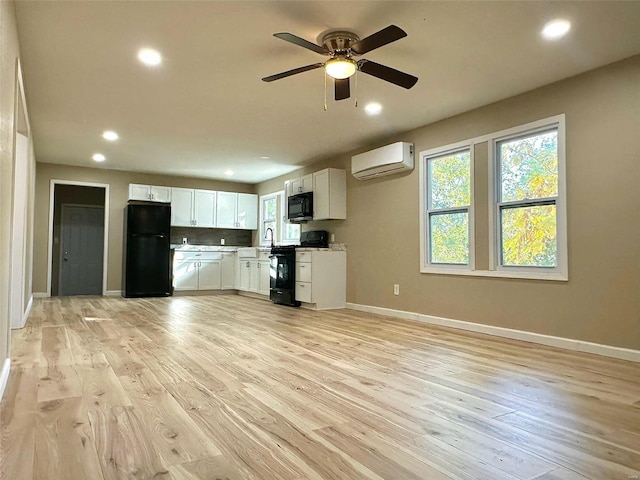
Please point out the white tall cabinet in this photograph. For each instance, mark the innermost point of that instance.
(330, 194)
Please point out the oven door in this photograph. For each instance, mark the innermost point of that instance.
(282, 270)
(282, 278)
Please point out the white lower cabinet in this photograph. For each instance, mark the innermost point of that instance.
(253, 271)
(203, 270)
(321, 279)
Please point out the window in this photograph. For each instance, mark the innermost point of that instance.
(272, 215)
(518, 229)
(448, 204)
(529, 227)
(269, 206)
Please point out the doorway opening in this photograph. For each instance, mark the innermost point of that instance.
(78, 253)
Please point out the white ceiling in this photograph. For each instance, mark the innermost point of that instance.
(205, 109)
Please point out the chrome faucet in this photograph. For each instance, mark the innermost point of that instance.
(265, 235)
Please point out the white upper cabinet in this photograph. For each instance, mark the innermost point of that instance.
(237, 210)
(226, 210)
(193, 208)
(247, 211)
(182, 207)
(299, 185)
(204, 208)
(149, 193)
(330, 194)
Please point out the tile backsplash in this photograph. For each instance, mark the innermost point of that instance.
(211, 236)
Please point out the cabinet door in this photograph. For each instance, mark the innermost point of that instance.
(139, 192)
(185, 275)
(245, 275)
(321, 195)
(265, 278)
(306, 183)
(209, 275)
(247, 211)
(204, 210)
(254, 276)
(181, 207)
(161, 194)
(288, 188)
(226, 209)
(228, 271)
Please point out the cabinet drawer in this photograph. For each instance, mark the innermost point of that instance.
(303, 292)
(303, 272)
(303, 256)
(178, 256)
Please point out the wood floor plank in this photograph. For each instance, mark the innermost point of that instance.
(123, 446)
(18, 413)
(64, 446)
(232, 387)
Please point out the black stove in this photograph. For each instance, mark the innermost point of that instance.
(282, 266)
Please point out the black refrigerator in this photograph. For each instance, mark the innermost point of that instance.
(146, 269)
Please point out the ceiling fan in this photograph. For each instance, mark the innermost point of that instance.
(341, 47)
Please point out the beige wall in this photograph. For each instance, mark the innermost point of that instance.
(601, 301)
(118, 182)
(11, 119)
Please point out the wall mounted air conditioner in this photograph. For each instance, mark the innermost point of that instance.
(387, 160)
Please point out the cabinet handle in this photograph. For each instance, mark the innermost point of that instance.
(301, 286)
(247, 264)
(195, 222)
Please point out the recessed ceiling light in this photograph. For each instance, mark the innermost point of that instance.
(229, 173)
(98, 157)
(150, 57)
(110, 135)
(373, 108)
(556, 29)
(265, 157)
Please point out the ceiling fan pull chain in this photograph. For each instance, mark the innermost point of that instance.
(355, 91)
(325, 91)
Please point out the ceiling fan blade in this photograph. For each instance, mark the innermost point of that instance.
(288, 73)
(387, 74)
(288, 37)
(378, 39)
(342, 88)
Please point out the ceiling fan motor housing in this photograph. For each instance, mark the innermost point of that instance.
(339, 42)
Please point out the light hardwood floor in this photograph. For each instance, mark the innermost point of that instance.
(230, 387)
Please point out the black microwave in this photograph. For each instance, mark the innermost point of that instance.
(300, 207)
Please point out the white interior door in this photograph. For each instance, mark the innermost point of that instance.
(81, 250)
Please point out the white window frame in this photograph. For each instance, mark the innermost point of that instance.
(560, 271)
(280, 220)
(264, 198)
(425, 210)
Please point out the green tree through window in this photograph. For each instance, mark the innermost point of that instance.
(528, 169)
(449, 190)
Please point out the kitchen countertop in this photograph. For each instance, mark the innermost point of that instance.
(204, 248)
(229, 248)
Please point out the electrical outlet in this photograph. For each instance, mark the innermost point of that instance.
(396, 289)
(184, 240)
(333, 237)
(222, 241)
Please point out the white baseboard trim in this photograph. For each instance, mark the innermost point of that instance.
(40, 295)
(113, 293)
(560, 342)
(4, 375)
(27, 311)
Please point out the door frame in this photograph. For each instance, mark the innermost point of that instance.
(105, 249)
(62, 207)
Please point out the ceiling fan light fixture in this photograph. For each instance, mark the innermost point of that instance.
(340, 67)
